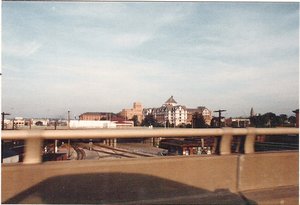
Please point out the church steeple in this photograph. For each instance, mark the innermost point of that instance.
(252, 112)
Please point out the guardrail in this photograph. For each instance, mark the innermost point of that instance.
(34, 138)
(237, 173)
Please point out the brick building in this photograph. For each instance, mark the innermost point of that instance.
(206, 113)
(96, 116)
(136, 110)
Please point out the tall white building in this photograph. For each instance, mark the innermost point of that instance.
(168, 113)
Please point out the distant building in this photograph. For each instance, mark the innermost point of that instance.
(12, 151)
(238, 122)
(187, 146)
(124, 124)
(205, 112)
(9, 156)
(19, 122)
(136, 110)
(8, 124)
(40, 122)
(100, 120)
(172, 113)
(94, 124)
(215, 122)
(168, 113)
(96, 116)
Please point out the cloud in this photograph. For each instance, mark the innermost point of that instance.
(21, 49)
(130, 40)
(100, 56)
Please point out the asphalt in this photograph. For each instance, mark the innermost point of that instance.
(121, 188)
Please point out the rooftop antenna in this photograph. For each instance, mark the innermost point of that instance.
(220, 117)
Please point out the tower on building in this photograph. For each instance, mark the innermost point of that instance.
(252, 112)
(171, 101)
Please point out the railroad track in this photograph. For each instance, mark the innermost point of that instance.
(80, 152)
(110, 151)
(124, 151)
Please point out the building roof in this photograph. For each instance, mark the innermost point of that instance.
(8, 153)
(199, 109)
(96, 113)
(171, 100)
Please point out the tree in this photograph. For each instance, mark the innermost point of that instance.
(283, 119)
(168, 124)
(198, 120)
(261, 120)
(292, 119)
(188, 126)
(255, 121)
(268, 119)
(135, 120)
(149, 120)
(182, 125)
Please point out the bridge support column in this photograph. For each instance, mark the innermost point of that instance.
(225, 145)
(55, 146)
(249, 142)
(152, 140)
(114, 143)
(33, 151)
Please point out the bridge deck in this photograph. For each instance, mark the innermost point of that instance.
(248, 178)
(117, 188)
(157, 180)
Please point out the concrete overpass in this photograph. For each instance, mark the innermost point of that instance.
(244, 178)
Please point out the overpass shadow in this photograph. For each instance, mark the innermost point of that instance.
(121, 188)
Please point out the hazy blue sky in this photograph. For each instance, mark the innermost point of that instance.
(104, 56)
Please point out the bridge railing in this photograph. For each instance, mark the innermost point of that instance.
(36, 182)
(34, 138)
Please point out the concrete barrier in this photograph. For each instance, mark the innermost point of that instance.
(234, 173)
(268, 170)
(209, 173)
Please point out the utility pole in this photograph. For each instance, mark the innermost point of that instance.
(217, 140)
(69, 141)
(3, 115)
(68, 119)
(220, 117)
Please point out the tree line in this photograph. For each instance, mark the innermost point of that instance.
(272, 120)
(268, 119)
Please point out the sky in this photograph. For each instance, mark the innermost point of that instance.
(102, 57)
